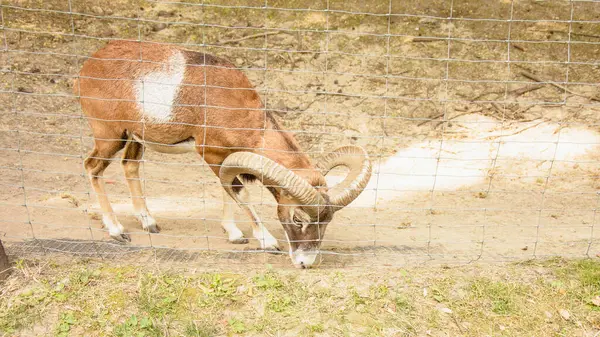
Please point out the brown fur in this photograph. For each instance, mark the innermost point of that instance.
(107, 99)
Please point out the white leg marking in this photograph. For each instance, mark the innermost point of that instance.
(228, 220)
(157, 91)
(234, 233)
(259, 231)
(146, 219)
(114, 226)
(267, 241)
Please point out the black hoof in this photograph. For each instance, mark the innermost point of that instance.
(272, 250)
(240, 241)
(153, 229)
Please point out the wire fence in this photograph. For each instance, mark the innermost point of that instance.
(481, 120)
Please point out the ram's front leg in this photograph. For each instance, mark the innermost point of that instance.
(228, 220)
(259, 231)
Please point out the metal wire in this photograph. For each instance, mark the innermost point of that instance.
(484, 144)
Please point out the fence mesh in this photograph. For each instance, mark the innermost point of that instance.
(481, 120)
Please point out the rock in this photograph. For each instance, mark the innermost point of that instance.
(564, 314)
(25, 90)
(108, 32)
(239, 61)
(166, 13)
(280, 106)
(159, 26)
(97, 10)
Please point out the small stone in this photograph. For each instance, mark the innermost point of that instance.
(166, 13)
(239, 61)
(97, 10)
(596, 301)
(108, 32)
(280, 106)
(25, 90)
(564, 314)
(159, 26)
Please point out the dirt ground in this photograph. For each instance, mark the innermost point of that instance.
(473, 158)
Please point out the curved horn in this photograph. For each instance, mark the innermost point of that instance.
(354, 158)
(273, 174)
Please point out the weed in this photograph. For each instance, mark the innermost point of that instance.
(135, 326)
(159, 294)
(267, 281)
(402, 303)
(499, 297)
(201, 329)
(237, 326)
(316, 328)
(279, 302)
(65, 323)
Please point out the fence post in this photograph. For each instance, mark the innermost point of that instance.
(4, 265)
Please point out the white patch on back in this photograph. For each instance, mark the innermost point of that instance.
(157, 91)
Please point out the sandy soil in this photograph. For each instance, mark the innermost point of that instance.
(456, 177)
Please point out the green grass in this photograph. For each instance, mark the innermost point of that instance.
(91, 298)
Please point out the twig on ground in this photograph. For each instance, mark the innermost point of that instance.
(516, 92)
(487, 93)
(428, 39)
(465, 113)
(431, 119)
(576, 34)
(526, 89)
(530, 120)
(538, 79)
(361, 101)
(518, 47)
(249, 37)
(517, 132)
(457, 323)
(498, 108)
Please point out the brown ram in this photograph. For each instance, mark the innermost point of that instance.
(173, 100)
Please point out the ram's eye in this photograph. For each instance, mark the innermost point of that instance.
(297, 222)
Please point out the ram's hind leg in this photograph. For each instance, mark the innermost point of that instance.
(95, 164)
(131, 166)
